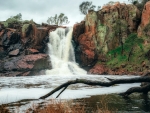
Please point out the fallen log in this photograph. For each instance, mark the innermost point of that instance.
(106, 84)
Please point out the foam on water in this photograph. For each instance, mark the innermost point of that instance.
(17, 88)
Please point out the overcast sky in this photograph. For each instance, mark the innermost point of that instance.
(40, 10)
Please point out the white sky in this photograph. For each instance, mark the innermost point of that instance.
(40, 10)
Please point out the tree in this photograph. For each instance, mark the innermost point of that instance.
(110, 3)
(85, 6)
(13, 20)
(139, 3)
(60, 19)
(18, 17)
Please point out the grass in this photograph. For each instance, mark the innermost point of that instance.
(136, 59)
(58, 106)
(3, 109)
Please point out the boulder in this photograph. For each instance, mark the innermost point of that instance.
(27, 62)
(14, 52)
(31, 51)
(23, 64)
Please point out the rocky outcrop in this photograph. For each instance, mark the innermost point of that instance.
(144, 28)
(98, 69)
(31, 51)
(23, 48)
(78, 29)
(11, 40)
(104, 30)
(24, 65)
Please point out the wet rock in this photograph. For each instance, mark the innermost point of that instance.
(10, 74)
(27, 63)
(11, 41)
(35, 37)
(31, 51)
(98, 69)
(78, 29)
(14, 52)
(88, 48)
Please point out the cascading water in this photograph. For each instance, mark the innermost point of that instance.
(61, 52)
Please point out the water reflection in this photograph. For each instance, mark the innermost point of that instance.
(136, 103)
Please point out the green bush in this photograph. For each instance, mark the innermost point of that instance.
(132, 43)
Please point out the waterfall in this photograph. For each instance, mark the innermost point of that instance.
(61, 52)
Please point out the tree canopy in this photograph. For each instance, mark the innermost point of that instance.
(60, 19)
(18, 17)
(139, 3)
(85, 6)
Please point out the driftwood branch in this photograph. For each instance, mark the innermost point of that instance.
(106, 84)
(143, 89)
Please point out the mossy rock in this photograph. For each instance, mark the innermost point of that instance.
(91, 18)
(10, 21)
(26, 28)
(5, 24)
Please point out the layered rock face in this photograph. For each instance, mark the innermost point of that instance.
(25, 65)
(22, 49)
(144, 28)
(104, 30)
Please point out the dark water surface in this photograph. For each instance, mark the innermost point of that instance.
(135, 103)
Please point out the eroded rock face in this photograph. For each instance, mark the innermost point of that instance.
(11, 40)
(78, 29)
(115, 23)
(84, 36)
(105, 30)
(144, 28)
(22, 49)
(34, 37)
(24, 65)
(31, 51)
(98, 69)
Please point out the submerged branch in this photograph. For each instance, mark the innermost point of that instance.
(99, 83)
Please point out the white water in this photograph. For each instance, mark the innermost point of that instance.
(62, 55)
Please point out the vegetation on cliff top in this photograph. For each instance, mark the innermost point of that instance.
(139, 3)
(85, 6)
(17, 19)
(60, 19)
(13, 20)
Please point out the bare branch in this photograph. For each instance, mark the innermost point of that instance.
(98, 83)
